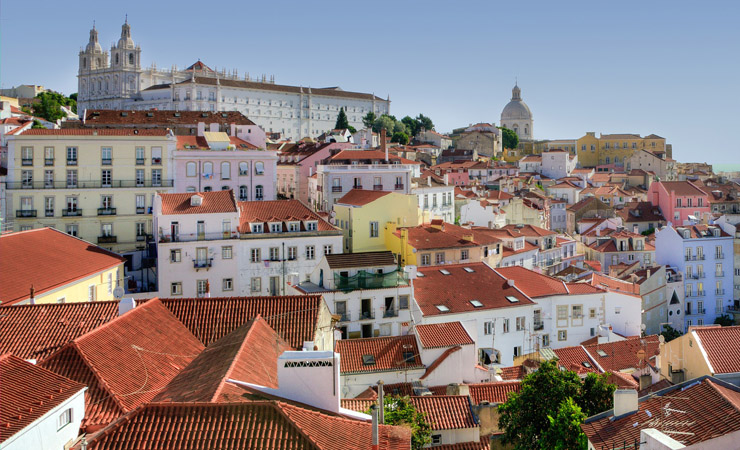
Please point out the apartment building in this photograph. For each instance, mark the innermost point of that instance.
(679, 201)
(96, 184)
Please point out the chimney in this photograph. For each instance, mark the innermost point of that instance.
(383, 146)
(307, 370)
(636, 229)
(598, 231)
(457, 389)
(511, 283)
(126, 305)
(468, 237)
(201, 128)
(32, 299)
(381, 402)
(374, 414)
(447, 179)
(625, 402)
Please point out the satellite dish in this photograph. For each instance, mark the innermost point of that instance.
(118, 292)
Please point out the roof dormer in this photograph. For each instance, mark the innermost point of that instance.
(196, 200)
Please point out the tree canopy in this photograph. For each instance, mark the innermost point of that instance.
(342, 121)
(369, 120)
(400, 137)
(414, 126)
(669, 333)
(564, 431)
(400, 411)
(407, 126)
(526, 416)
(509, 138)
(49, 106)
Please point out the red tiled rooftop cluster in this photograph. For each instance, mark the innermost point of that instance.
(387, 353)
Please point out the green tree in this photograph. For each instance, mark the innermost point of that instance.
(564, 431)
(37, 124)
(400, 411)
(510, 139)
(724, 320)
(342, 121)
(669, 333)
(524, 417)
(49, 106)
(399, 127)
(384, 123)
(412, 126)
(401, 138)
(424, 122)
(369, 120)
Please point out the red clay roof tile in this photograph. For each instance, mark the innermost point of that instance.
(446, 412)
(211, 203)
(449, 334)
(536, 285)
(148, 132)
(360, 197)
(493, 392)
(387, 353)
(94, 117)
(278, 210)
(621, 355)
(721, 345)
(23, 251)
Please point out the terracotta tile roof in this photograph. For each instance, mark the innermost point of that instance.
(640, 212)
(622, 355)
(37, 331)
(612, 284)
(294, 318)
(189, 143)
(358, 404)
(575, 359)
(94, 117)
(498, 195)
(483, 444)
(588, 202)
(278, 211)
(456, 290)
(700, 231)
(424, 237)
(446, 412)
(387, 352)
(362, 259)
(212, 203)
(513, 373)
(493, 392)
(691, 412)
(447, 334)
(528, 230)
(133, 132)
(622, 380)
(721, 345)
(535, 284)
(662, 384)
(24, 250)
(684, 188)
(258, 425)
(360, 197)
(27, 392)
(247, 354)
(127, 361)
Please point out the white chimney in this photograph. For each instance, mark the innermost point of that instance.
(126, 305)
(201, 128)
(301, 380)
(625, 402)
(511, 283)
(636, 229)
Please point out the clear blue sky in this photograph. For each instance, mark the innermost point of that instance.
(664, 67)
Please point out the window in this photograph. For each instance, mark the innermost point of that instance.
(140, 204)
(577, 311)
(225, 170)
(226, 252)
(373, 229)
(64, 419)
(48, 156)
(207, 169)
(106, 156)
(201, 287)
(328, 249)
(311, 226)
(27, 156)
(592, 313)
(545, 340)
(506, 325)
(403, 302)
(436, 439)
(176, 288)
(256, 255)
(243, 168)
(243, 193)
(106, 229)
(71, 204)
(259, 168)
(106, 178)
(91, 293)
(464, 254)
(439, 258)
(72, 230)
(426, 259)
(517, 350)
(49, 179)
(156, 155)
(310, 252)
(488, 328)
(190, 169)
(562, 312)
(106, 201)
(140, 156)
(71, 156)
(175, 255)
(256, 284)
(139, 177)
(228, 284)
(156, 177)
(562, 335)
(292, 253)
(49, 206)
(274, 253)
(27, 178)
(519, 323)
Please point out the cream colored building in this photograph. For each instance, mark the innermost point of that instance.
(97, 184)
(617, 149)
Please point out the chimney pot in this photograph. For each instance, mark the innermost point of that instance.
(625, 402)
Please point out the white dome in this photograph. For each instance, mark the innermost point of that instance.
(516, 110)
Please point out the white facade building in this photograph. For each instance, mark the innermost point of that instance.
(558, 164)
(293, 111)
(435, 199)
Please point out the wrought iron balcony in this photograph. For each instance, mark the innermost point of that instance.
(539, 326)
(25, 213)
(377, 187)
(71, 162)
(399, 186)
(357, 186)
(156, 160)
(719, 292)
(48, 161)
(107, 239)
(140, 161)
(49, 213)
(87, 184)
(26, 162)
(71, 212)
(106, 162)
(106, 211)
(336, 188)
(141, 210)
(367, 315)
(390, 312)
(203, 263)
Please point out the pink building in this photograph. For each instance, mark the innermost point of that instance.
(298, 162)
(216, 161)
(457, 172)
(678, 200)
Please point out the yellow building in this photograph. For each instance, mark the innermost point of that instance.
(703, 350)
(48, 266)
(616, 148)
(364, 217)
(97, 184)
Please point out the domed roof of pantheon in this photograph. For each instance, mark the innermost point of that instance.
(516, 108)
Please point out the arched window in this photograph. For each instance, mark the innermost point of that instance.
(117, 60)
(516, 129)
(243, 193)
(207, 169)
(225, 170)
(526, 131)
(243, 168)
(190, 189)
(190, 169)
(131, 59)
(100, 84)
(259, 168)
(258, 192)
(207, 189)
(616, 160)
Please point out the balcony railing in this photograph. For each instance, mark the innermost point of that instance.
(26, 162)
(693, 257)
(49, 213)
(189, 237)
(399, 186)
(71, 212)
(377, 187)
(71, 162)
(366, 315)
(48, 161)
(719, 256)
(156, 160)
(141, 210)
(357, 186)
(336, 188)
(538, 326)
(25, 213)
(202, 263)
(719, 292)
(140, 161)
(696, 276)
(141, 237)
(106, 162)
(106, 211)
(91, 184)
(390, 312)
(107, 239)
(719, 274)
(369, 280)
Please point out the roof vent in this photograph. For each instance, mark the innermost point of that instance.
(205, 114)
(511, 283)
(444, 271)
(468, 269)
(177, 114)
(512, 299)
(124, 114)
(196, 200)
(442, 308)
(476, 303)
(601, 353)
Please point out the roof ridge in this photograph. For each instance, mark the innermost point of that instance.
(230, 369)
(278, 405)
(98, 376)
